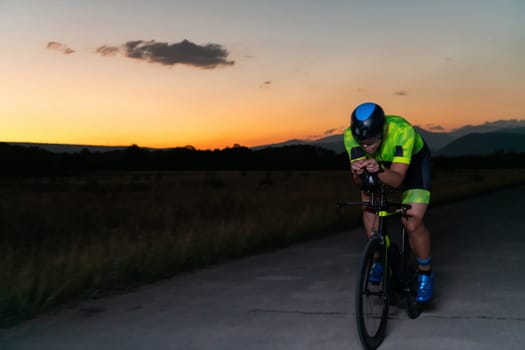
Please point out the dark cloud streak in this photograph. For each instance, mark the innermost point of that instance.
(433, 127)
(332, 131)
(108, 50)
(185, 52)
(58, 46)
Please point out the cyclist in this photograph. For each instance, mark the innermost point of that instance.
(389, 146)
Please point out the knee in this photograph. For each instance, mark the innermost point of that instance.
(413, 225)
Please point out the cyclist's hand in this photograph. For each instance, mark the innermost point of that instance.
(358, 166)
(372, 166)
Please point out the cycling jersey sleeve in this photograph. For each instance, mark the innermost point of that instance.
(354, 150)
(404, 145)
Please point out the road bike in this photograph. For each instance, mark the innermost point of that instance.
(399, 277)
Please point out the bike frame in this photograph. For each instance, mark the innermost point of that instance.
(400, 268)
(384, 208)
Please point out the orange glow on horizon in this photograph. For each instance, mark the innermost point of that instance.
(292, 77)
(221, 130)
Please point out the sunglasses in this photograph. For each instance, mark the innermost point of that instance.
(370, 141)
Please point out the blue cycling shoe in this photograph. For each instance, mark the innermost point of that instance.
(376, 272)
(425, 288)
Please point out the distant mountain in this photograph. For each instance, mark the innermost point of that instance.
(435, 140)
(512, 125)
(483, 144)
(67, 148)
(514, 130)
(73, 148)
(335, 142)
(439, 142)
(292, 142)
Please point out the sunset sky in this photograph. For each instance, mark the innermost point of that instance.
(210, 73)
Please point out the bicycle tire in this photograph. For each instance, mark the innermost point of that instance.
(372, 299)
(396, 268)
(413, 307)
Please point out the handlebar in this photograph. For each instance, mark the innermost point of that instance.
(373, 204)
(371, 184)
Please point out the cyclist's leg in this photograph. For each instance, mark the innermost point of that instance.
(418, 233)
(369, 216)
(417, 185)
(419, 239)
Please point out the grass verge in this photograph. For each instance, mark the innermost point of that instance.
(72, 238)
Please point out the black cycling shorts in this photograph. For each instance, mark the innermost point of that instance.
(417, 183)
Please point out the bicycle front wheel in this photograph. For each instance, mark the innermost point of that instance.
(372, 298)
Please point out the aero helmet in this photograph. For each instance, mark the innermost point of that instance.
(367, 121)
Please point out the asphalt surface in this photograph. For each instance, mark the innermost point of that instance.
(302, 297)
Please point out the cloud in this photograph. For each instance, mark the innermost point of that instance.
(329, 132)
(401, 93)
(433, 127)
(57, 46)
(185, 52)
(108, 50)
(332, 131)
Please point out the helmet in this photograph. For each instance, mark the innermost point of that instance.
(367, 121)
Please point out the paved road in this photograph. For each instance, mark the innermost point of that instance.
(302, 297)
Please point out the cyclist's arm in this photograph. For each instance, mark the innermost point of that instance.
(403, 143)
(358, 167)
(395, 175)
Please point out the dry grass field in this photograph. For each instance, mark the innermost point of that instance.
(63, 239)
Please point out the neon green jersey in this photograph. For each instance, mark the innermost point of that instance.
(400, 143)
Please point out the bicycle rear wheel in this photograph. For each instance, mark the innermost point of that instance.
(410, 278)
(414, 308)
(372, 299)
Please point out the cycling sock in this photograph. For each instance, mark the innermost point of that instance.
(425, 263)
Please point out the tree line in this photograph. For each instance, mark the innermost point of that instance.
(34, 161)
